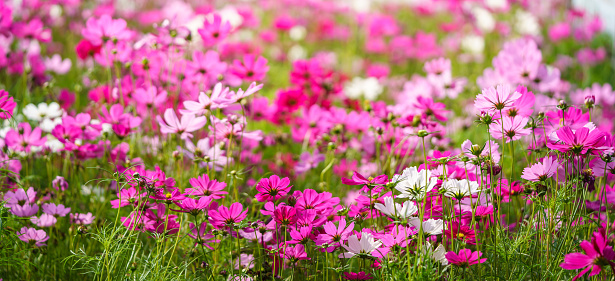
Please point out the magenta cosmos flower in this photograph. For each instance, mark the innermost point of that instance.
(334, 235)
(541, 171)
(228, 216)
(357, 276)
(103, 29)
(579, 141)
(272, 188)
(251, 69)
(33, 236)
(7, 105)
(203, 186)
(214, 30)
(598, 254)
(497, 98)
(24, 138)
(465, 258)
(358, 179)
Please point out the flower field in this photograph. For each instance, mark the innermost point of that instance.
(306, 140)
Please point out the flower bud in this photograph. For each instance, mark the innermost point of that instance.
(60, 183)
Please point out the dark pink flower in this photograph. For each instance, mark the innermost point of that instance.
(578, 142)
(24, 138)
(465, 258)
(357, 276)
(285, 216)
(251, 69)
(121, 122)
(193, 206)
(201, 236)
(7, 105)
(214, 30)
(203, 186)
(598, 255)
(228, 216)
(272, 188)
(358, 179)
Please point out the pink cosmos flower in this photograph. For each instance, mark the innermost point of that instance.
(357, 276)
(428, 107)
(150, 97)
(82, 219)
(173, 125)
(45, 220)
(465, 258)
(308, 161)
(206, 67)
(294, 254)
(214, 30)
(358, 179)
(20, 196)
(24, 138)
(25, 210)
(193, 206)
(253, 88)
(251, 69)
(33, 236)
(202, 236)
(541, 171)
(211, 154)
(121, 122)
(127, 197)
(103, 29)
(301, 235)
(57, 64)
(579, 141)
(514, 128)
(335, 235)
(219, 98)
(497, 98)
(272, 188)
(228, 216)
(598, 254)
(34, 29)
(203, 186)
(7, 105)
(55, 210)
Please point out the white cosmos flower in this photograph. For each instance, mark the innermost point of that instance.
(369, 88)
(430, 226)
(392, 209)
(473, 44)
(437, 254)
(48, 124)
(365, 246)
(413, 184)
(459, 188)
(526, 23)
(42, 111)
(484, 20)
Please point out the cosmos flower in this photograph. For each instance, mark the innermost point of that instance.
(464, 258)
(541, 171)
(33, 236)
(365, 246)
(414, 184)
